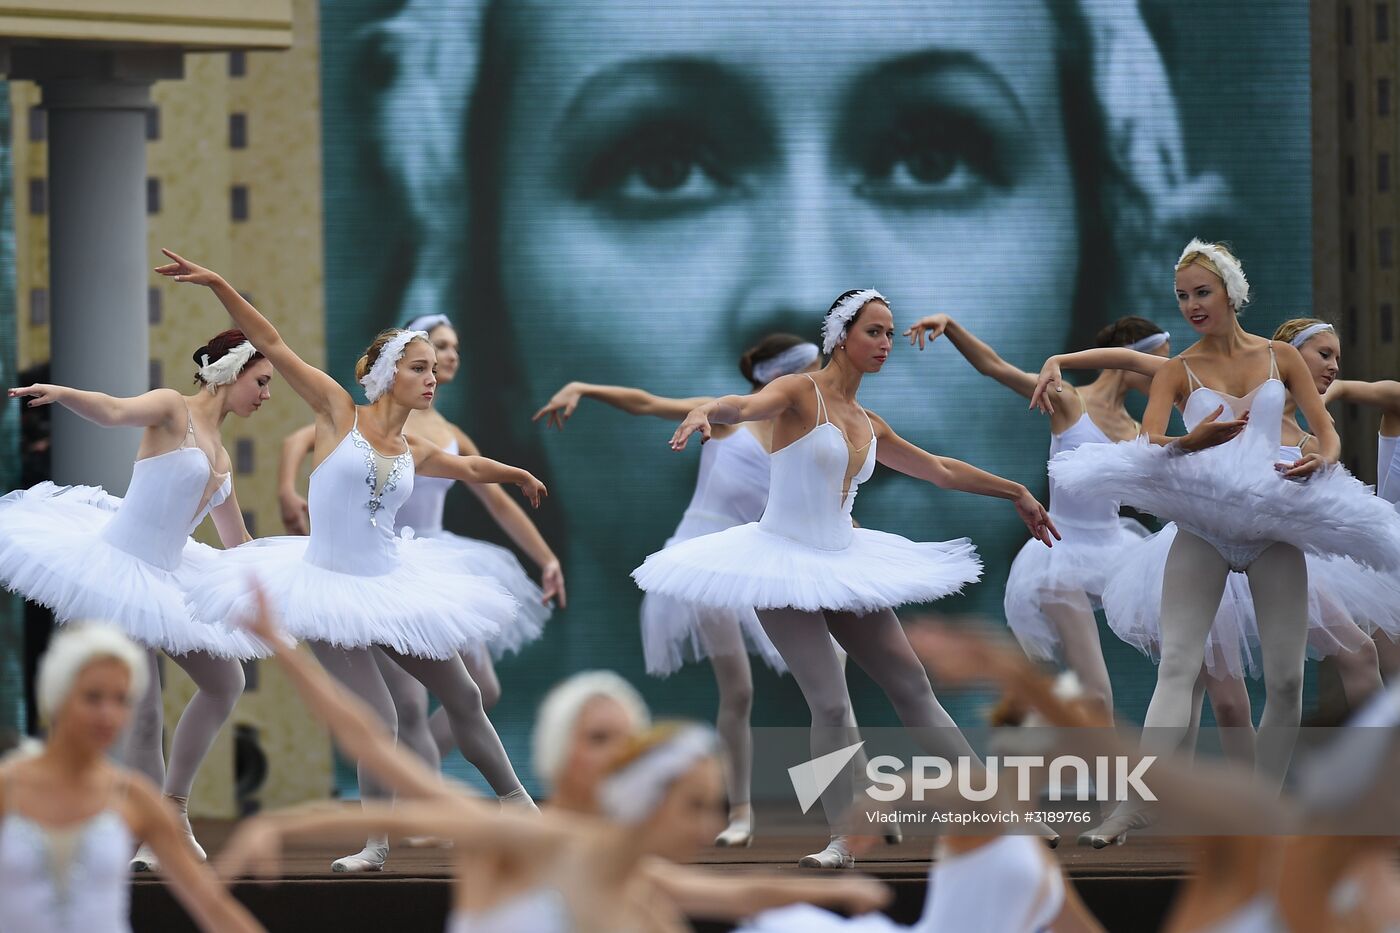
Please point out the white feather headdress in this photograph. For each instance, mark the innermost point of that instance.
(1231, 272)
(381, 375)
(226, 368)
(839, 317)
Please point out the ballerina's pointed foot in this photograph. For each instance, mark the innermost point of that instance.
(894, 836)
(370, 858)
(145, 859)
(835, 855)
(1051, 838)
(737, 835)
(1115, 829)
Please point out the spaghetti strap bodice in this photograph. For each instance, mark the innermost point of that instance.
(354, 498)
(422, 510)
(73, 879)
(1082, 509)
(168, 496)
(1264, 404)
(814, 482)
(732, 485)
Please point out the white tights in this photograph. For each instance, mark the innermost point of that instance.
(878, 644)
(449, 682)
(219, 683)
(1191, 589)
(431, 737)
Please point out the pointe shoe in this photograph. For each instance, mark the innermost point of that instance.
(894, 835)
(181, 805)
(1115, 829)
(1050, 837)
(145, 860)
(370, 858)
(833, 856)
(737, 835)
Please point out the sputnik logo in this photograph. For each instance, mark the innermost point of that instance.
(811, 778)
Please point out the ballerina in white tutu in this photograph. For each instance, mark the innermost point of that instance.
(69, 817)
(730, 489)
(1051, 593)
(808, 570)
(1233, 507)
(431, 737)
(86, 554)
(352, 584)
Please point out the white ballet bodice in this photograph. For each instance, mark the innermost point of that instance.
(71, 880)
(422, 510)
(1080, 510)
(1003, 885)
(354, 497)
(539, 910)
(1388, 469)
(168, 497)
(805, 492)
(732, 485)
(1264, 405)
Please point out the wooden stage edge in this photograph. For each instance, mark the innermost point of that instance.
(1128, 887)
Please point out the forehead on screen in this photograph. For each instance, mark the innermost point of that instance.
(812, 47)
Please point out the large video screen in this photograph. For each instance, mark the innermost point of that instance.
(633, 193)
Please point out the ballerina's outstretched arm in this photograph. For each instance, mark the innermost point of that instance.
(560, 407)
(150, 409)
(432, 460)
(946, 473)
(989, 363)
(1050, 380)
(1383, 395)
(325, 396)
(768, 402)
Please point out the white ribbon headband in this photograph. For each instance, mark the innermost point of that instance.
(792, 360)
(840, 317)
(1308, 333)
(632, 794)
(226, 368)
(426, 322)
(381, 375)
(1150, 342)
(1231, 272)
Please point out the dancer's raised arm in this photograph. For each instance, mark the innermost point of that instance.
(320, 391)
(560, 408)
(947, 473)
(1050, 380)
(769, 402)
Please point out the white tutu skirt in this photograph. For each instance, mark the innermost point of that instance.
(428, 606)
(500, 564)
(1072, 573)
(1232, 496)
(1339, 591)
(745, 567)
(52, 552)
(676, 633)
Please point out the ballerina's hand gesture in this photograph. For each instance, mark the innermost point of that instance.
(552, 585)
(1049, 380)
(1212, 432)
(1038, 520)
(697, 420)
(1303, 467)
(929, 328)
(182, 270)
(38, 394)
(560, 408)
(532, 489)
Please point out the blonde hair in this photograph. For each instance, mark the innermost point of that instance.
(560, 709)
(1292, 328)
(371, 354)
(76, 646)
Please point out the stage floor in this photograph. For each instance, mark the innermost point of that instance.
(1129, 887)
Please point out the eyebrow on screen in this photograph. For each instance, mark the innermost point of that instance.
(931, 63)
(699, 78)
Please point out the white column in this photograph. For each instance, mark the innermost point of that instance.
(99, 269)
